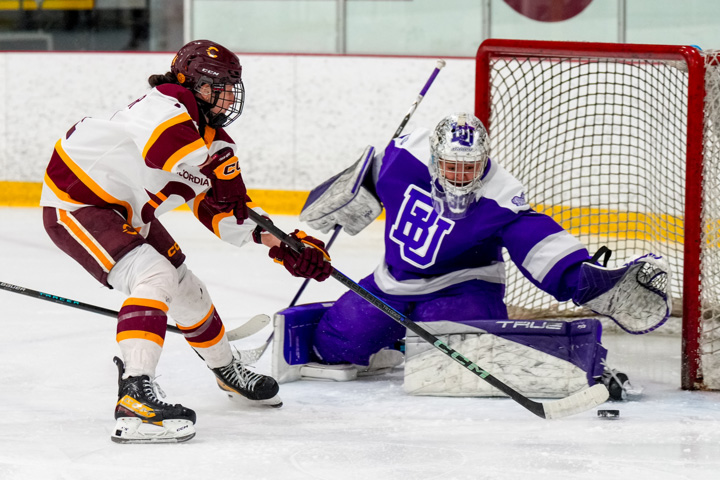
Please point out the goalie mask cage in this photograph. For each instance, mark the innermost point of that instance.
(620, 144)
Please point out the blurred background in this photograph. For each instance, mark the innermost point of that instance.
(324, 78)
(376, 27)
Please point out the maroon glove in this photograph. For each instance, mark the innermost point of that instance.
(313, 262)
(227, 189)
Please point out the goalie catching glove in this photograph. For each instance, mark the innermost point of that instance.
(312, 262)
(635, 296)
(227, 188)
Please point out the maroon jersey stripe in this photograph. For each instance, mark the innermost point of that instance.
(169, 142)
(67, 182)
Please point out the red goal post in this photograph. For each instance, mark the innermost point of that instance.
(612, 140)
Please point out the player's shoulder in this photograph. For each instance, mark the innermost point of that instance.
(416, 143)
(175, 96)
(502, 187)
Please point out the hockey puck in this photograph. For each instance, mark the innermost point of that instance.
(608, 413)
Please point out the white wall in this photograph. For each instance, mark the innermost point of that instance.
(305, 118)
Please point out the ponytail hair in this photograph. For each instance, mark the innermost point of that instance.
(156, 80)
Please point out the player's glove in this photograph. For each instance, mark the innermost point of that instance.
(312, 262)
(227, 188)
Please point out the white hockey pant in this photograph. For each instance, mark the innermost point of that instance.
(144, 273)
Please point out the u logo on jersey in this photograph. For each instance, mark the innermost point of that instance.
(418, 229)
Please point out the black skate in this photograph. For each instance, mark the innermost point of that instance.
(618, 385)
(143, 418)
(238, 382)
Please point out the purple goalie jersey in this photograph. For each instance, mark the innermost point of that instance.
(425, 252)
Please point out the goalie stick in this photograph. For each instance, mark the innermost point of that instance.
(253, 355)
(575, 403)
(252, 326)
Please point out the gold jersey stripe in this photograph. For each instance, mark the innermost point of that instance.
(212, 309)
(216, 221)
(90, 183)
(209, 343)
(139, 335)
(84, 238)
(59, 193)
(182, 153)
(145, 302)
(160, 129)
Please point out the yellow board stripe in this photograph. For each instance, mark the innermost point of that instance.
(47, 4)
(615, 224)
(275, 202)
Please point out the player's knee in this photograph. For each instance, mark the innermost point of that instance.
(192, 302)
(144, 273)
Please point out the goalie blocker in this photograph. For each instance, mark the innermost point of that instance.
(344, 199)
(539, 358)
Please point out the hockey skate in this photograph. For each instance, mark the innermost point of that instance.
(143, 418)
(618, 385)
(239, 383)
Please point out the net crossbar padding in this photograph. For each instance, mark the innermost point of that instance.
(619, 144)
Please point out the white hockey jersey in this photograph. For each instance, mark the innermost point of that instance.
(143, 161)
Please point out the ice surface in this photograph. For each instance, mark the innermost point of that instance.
(58, 389)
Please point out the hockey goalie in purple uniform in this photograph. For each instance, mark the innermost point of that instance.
(108, 181)
(450, 210)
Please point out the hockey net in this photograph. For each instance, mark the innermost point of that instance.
(621, 145)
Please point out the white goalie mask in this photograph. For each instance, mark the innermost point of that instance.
(458, 157)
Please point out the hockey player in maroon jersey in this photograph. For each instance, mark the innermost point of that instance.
(108, 181)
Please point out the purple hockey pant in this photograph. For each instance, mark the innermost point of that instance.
(353, 329)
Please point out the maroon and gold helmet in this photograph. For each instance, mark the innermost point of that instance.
(203, 62)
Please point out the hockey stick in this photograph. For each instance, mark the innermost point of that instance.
(252, 356)
(252, 326)
(575, 403)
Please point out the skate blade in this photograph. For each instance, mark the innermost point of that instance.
(274, 402)
(134, 430)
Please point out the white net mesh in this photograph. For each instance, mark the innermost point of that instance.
(600, 144)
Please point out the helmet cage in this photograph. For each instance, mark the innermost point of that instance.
(218, 91)
(203, 62)
(458, 158)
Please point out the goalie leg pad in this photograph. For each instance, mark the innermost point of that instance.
(294, 330)
(295, 356)
(343, 200)
(544, 359)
